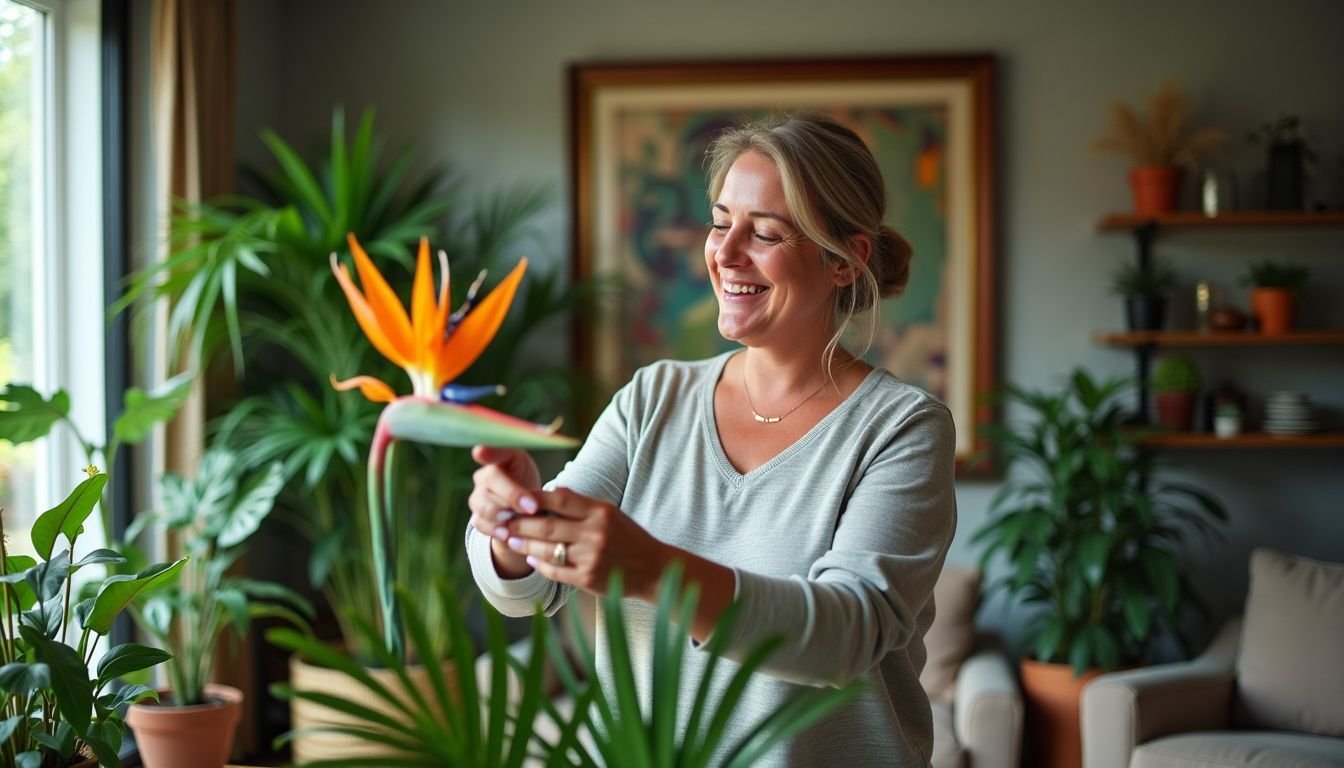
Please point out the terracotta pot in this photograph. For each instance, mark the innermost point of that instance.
(304, 676)
(1175, 410)
(1154, 188)
(200, 735)
(1273, 308)
(1054, 735)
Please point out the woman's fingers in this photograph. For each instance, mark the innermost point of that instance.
(502, 489)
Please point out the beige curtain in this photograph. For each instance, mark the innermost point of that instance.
(193, 84)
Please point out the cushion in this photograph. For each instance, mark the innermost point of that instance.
(951, 637)
(1238, 749)
(1289, 674)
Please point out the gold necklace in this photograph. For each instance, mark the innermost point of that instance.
(772, 419)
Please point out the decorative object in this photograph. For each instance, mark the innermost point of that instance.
(1289, 413)
(211, 517)
(1217, 192)
(446, 725)
(1145, 293)
(1288, 153)
(640, 131)
(1227, 318)
(1160, 144)
(1274, 287)
(59, 712)
(1227, 420)
(1175, 386)
(1203, 305)
(1092, 536)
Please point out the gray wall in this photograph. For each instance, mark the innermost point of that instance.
(483, 85)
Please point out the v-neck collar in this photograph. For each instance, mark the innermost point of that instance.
(711, 429)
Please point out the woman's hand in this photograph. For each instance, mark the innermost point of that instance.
(595, 537)
(502, 489)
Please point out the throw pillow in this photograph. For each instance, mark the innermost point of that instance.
(1289, 675)
(951, 637)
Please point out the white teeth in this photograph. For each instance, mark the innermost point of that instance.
(740, 288)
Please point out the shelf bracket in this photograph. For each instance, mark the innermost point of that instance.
(1143, 355)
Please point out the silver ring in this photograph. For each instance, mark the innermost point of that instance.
(561, 554)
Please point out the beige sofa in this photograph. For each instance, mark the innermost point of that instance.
(1268, 692)
(977, 702)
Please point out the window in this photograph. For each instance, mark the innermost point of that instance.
(51, 266)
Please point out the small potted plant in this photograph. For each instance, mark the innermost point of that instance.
(1160, 144)
(1176, 382)
(1227, 420)
(212, 517)
(1288, 153)
(1145, 293)
(1274, 287)
(57, 711)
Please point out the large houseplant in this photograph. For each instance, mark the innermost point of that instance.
(1159, 143)
(211, 516)
(459, 723)
(54, 710)
(1090, 538)
(252, 273)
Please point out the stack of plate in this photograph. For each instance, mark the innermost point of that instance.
(1289, 413)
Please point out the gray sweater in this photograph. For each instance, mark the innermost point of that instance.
(835, 543)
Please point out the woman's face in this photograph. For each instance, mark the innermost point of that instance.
(772, 284)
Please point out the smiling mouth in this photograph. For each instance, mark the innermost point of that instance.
(744, 289)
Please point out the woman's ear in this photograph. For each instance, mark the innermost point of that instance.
(862, 249)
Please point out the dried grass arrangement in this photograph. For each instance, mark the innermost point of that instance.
(1161, 137)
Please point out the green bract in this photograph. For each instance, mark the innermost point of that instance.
(53, 709)
(1089, 536)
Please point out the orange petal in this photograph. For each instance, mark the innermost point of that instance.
(384, 302)
(371, 388)
(423, 310)
(477, 329)
(365, 316)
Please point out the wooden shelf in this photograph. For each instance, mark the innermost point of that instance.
(1246, 440)
(1217, 339)
(1232, 219)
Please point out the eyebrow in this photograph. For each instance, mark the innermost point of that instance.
(757, 214)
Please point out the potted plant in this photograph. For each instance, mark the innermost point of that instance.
(1093, 540)
(54, 710)
(1287, 155)
(1176, 382)
(1145, 293)
(1274, 287)
(605, 726)
(211, 516)
(1160, 144)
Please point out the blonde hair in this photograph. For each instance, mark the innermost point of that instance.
(835, 193)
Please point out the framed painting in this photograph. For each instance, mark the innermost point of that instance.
(641, 212)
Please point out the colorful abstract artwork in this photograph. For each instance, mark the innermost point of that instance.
(640, 194)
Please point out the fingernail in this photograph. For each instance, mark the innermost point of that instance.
(532, 561)
(528, 504)
(502, 533)
(505, 516)
(516, 544)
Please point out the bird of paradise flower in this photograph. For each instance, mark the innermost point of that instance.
(434, 347)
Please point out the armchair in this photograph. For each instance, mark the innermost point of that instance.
(1269, 690)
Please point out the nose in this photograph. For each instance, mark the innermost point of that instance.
(730, 251)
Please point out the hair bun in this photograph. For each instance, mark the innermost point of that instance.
(891, 262)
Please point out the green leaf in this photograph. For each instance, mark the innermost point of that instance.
(98, 556)
(68, 516)
(29, 759)
(128, 694)
(120, 591)
(8, 726)
(47, 579)
(143, 410)
(247, 514)
(25, 416)
(104, 751)
(69, 678)
(127, 658)
(1094, 553)
(20, 678)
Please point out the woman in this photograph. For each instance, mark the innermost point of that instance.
(790, 475)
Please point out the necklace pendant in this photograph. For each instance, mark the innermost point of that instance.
(765, 419)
